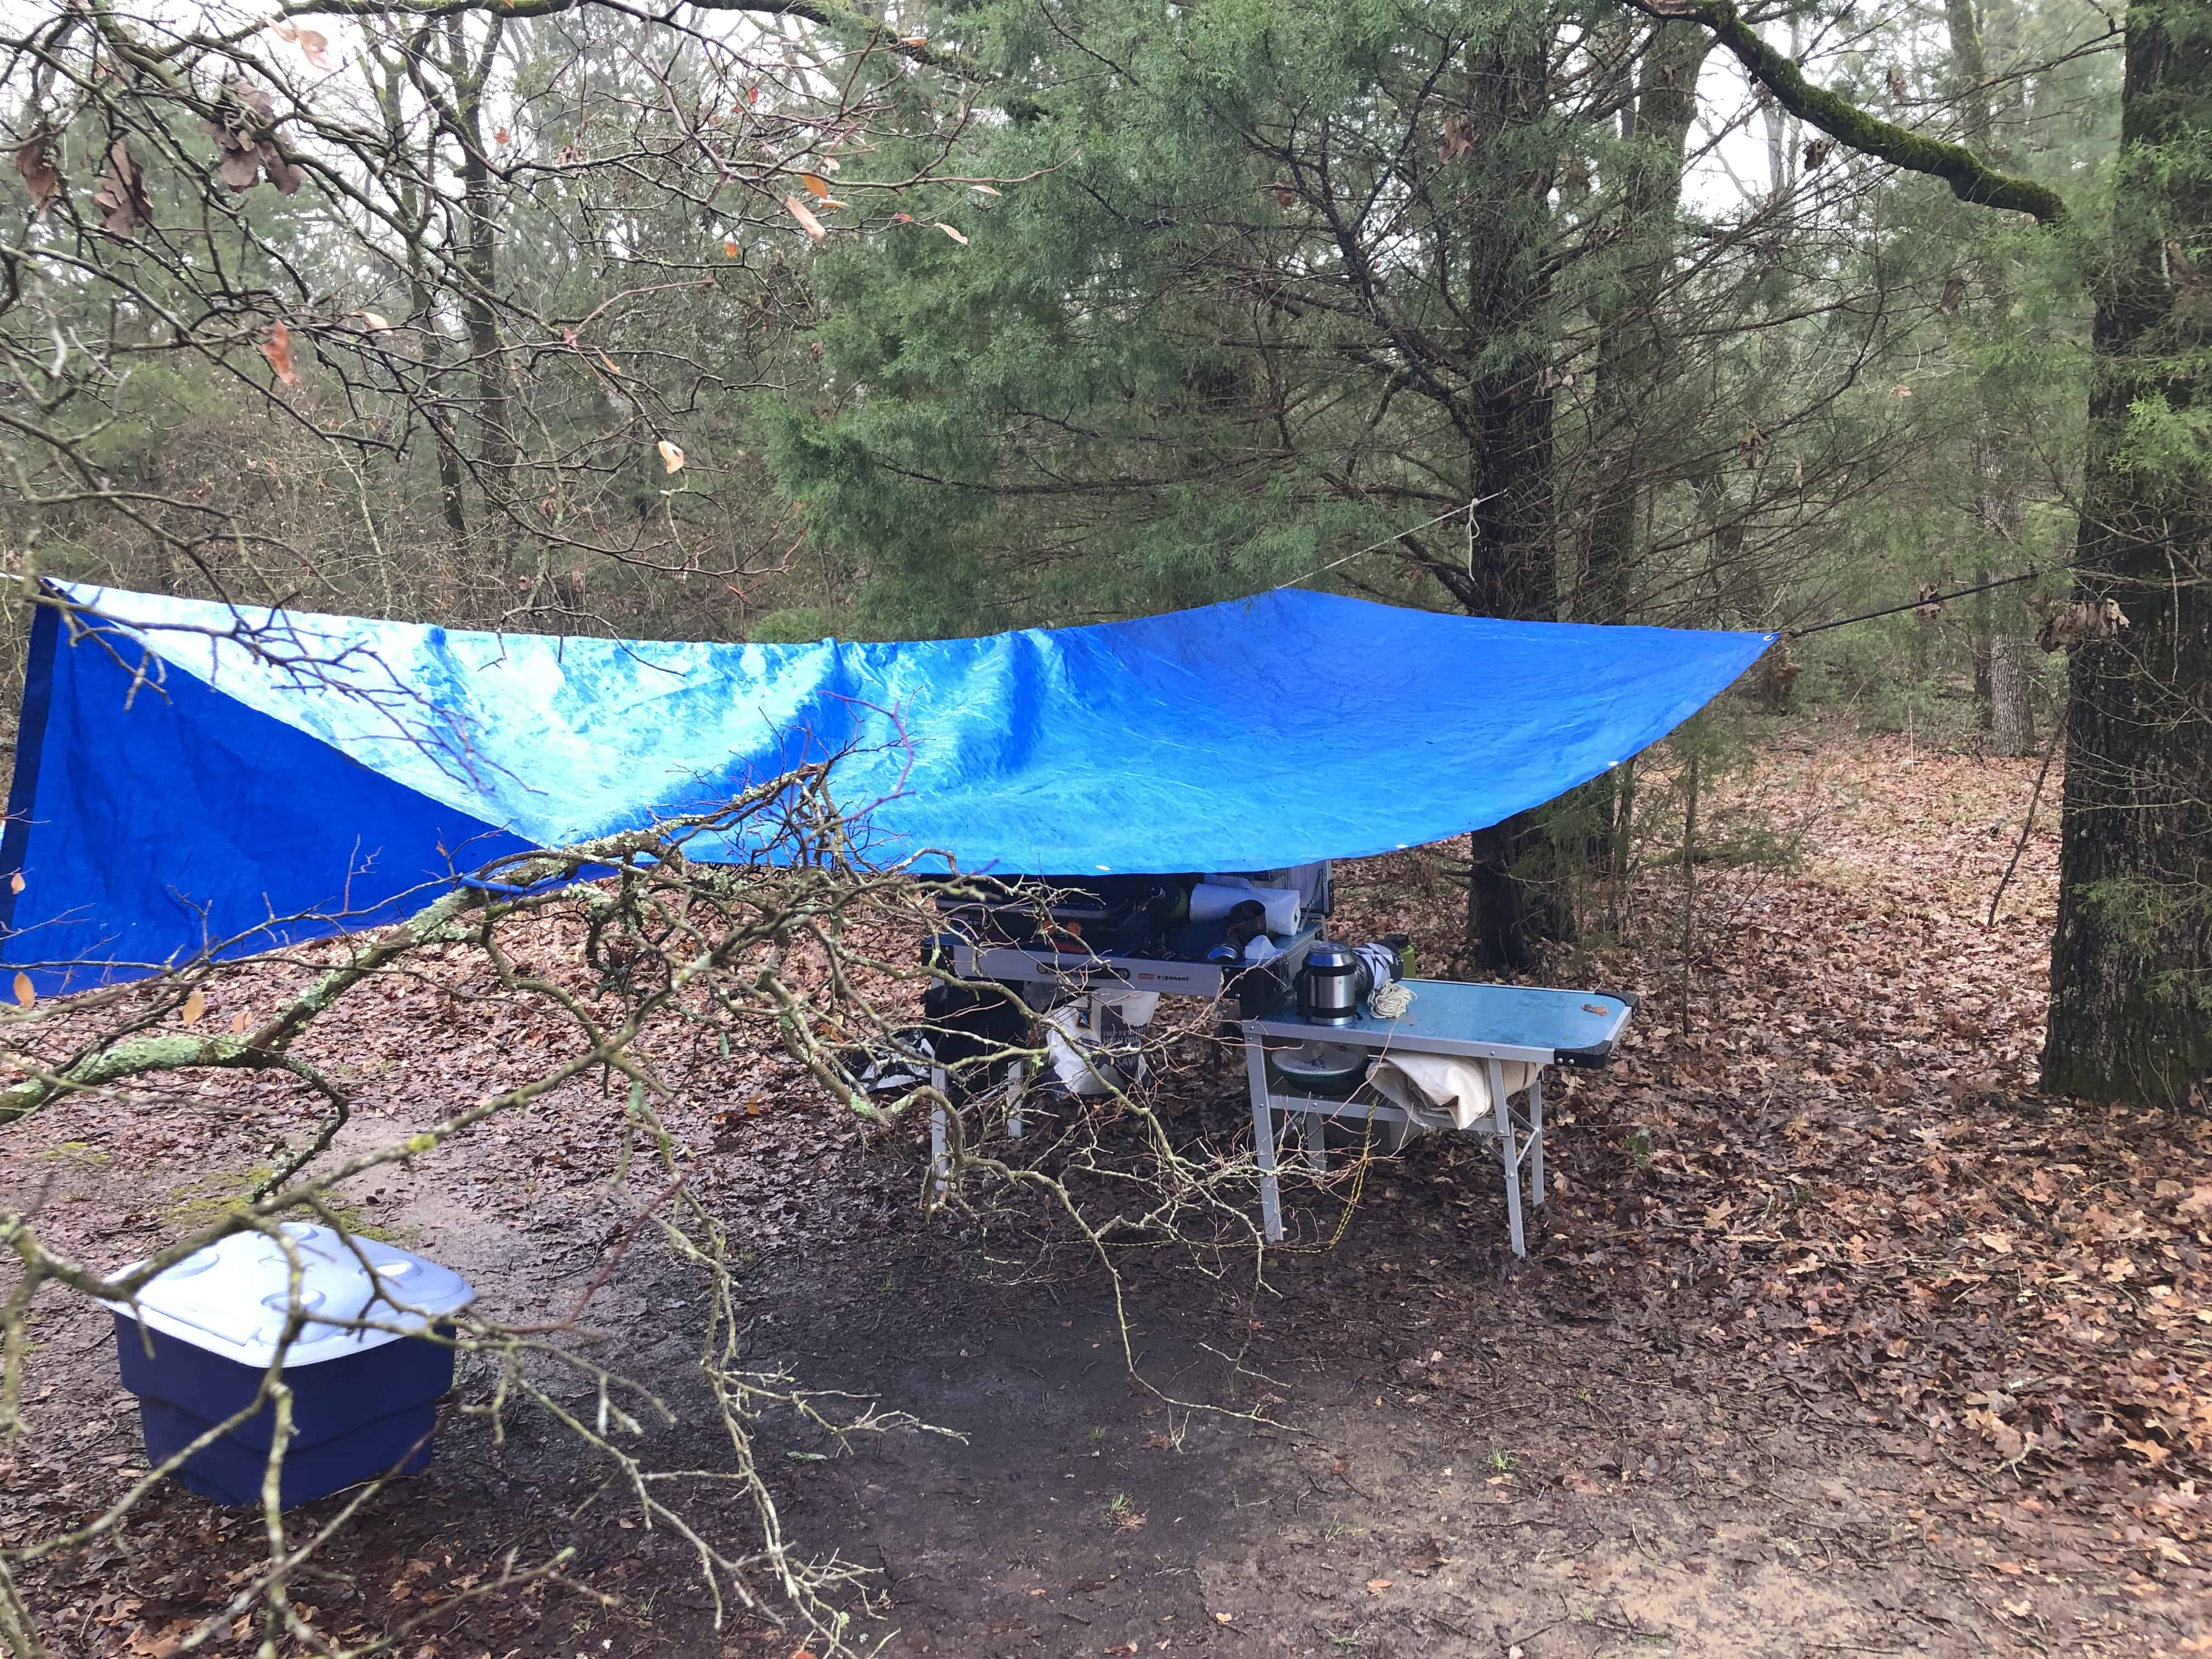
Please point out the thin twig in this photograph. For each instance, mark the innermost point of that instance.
(2027, 823)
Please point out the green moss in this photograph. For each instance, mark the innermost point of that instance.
(1971, 178)
(78, 1154)
(209, 1198)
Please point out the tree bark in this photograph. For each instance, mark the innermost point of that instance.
(1512, 563)
(1629, 350)
(413, 200)
(2131, 963)
(496, 448)
(2000, 674)
(2011, 729)
(1630, 358)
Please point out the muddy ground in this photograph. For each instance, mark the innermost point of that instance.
(1665, 1433)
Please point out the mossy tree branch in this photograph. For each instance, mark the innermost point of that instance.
(1971, 178)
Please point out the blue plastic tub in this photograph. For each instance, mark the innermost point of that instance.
(352, 1420)
(365, 1388)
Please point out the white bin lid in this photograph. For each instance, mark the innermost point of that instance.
(233, 1298)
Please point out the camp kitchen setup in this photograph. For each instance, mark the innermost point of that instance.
(1330, 1030)
(1185, 777)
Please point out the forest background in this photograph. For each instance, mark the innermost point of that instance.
(776, 321)
(771, 324)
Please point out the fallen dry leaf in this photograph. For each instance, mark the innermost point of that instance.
(671, 457)
(121, 197)
(807, 223)
(26, 996)
(195, 1007)
(34, 160)
(954, 234)
(146, 1643)
(277, 347)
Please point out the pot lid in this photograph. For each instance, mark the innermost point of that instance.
(233, 1297)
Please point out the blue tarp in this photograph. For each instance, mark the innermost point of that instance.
(188, 772)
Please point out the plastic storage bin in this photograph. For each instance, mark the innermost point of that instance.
(364, 1401)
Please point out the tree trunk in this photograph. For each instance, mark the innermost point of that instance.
(413, 199)
(496, 448)
(2132, 962)
(1630, 358)
(2011, 731)
(1630, 352)
(2000, 670)
(1512, 565)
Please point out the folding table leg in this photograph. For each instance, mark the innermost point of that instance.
(1503, 1118)
(940, 1169)
(1316, 1143)
(1263, 1142)
(1016, 1076)
(1536, 1136)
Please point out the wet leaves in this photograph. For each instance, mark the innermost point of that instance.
(245, 138)
(1851, 1181)
(34, 160)
(121, 198)
(1839, 1182)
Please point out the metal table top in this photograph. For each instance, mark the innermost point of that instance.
(1077, 968)
(1504, 1022)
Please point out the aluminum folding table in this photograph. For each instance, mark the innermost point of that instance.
(1489, 1022)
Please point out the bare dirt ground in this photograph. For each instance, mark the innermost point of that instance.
(1835, 1340)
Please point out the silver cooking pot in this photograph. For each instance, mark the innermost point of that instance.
(1332, 982)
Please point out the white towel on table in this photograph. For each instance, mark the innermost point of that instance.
(1443, 1090)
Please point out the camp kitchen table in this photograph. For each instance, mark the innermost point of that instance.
(1489, 1022)
(1086, 970)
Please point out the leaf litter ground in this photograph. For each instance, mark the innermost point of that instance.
(1835, 1338)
